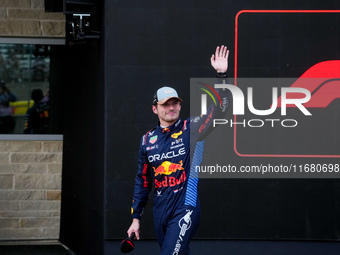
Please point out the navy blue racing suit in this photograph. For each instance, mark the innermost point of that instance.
(164, 162)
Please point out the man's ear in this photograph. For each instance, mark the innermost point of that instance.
(154, 109)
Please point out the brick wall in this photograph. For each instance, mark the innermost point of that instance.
(30, 171)
(27, 18)
(30, 189)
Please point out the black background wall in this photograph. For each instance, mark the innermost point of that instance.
(166, 43)
(82, 219)
(146, 45)
(82, 210)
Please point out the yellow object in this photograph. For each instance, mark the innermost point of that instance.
(176, 135)
(20, 107)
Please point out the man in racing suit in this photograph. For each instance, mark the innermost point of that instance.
(165, 163)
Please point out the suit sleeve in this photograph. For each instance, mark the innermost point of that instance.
(143, 183)
(203, 125)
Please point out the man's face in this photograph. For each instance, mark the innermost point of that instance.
(168, 113)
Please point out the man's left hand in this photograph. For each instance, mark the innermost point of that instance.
(219, 60)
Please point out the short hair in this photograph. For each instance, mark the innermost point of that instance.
(37, 95)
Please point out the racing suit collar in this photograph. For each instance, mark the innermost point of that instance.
(170, 128)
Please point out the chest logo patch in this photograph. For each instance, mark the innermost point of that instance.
(153, 139)
(168, 168)
(176, 135)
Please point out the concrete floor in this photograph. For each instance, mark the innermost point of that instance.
(34, 248)
(198, 247)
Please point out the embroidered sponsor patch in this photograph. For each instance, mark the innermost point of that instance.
(176, 135)
(153, 139)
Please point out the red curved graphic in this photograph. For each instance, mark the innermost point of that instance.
(324, 84)
(323, 79)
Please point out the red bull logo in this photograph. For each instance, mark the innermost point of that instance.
(168, 168)
(176, 135)
(170, 181)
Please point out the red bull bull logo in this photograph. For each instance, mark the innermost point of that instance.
(176, 135)
(168, 168)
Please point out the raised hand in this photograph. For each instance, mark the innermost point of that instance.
(219, 60)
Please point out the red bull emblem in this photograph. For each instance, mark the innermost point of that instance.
(176, 135)
(170, 181)
(168, 168)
